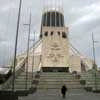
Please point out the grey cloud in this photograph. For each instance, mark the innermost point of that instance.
(74, 10)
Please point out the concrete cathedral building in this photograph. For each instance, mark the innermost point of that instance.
(53, 51)
(49, 64)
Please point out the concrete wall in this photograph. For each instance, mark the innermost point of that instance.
(55, 48)
(75, 63)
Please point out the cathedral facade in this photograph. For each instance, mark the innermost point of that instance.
(53, 51)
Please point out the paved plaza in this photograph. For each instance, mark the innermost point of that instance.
(55, 95)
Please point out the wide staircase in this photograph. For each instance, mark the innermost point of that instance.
(50, 84)
(55, 80)
(92, 80)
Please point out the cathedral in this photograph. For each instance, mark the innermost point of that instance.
(53, 51)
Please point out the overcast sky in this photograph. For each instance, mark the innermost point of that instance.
(81, 16)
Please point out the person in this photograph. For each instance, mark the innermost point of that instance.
(63, 91)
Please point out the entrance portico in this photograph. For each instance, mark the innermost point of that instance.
(55, 69)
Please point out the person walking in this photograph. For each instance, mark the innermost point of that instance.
(63, 91)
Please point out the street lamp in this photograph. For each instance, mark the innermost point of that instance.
(94, 60)
(29, 32)
(33, 56)
(16, 43)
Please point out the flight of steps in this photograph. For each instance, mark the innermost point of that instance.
(55, 80)
(20, 87)
(92, 79)
(20, 82)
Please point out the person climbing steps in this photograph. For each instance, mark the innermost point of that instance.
(63, 91)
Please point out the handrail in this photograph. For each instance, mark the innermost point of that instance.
(31, 48)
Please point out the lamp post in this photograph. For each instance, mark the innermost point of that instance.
(27, 63)
(94, 60)
(16, 43)
(33, 56)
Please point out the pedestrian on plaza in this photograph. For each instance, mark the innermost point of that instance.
(63, 91)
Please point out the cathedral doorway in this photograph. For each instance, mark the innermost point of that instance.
(55, 69)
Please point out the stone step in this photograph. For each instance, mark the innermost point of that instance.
(57, 77)
(90, 76)
(55, 83)
(17, 89)
(23, 79)
(59, 81)
(58, 86)
(24, 76)
(22, 83)
(91, 81)
(56, 74)
(20, 86)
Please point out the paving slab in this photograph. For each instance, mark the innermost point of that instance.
(75, 94)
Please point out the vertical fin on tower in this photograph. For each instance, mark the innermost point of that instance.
(52, 14)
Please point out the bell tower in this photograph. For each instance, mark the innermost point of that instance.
(54, 35)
